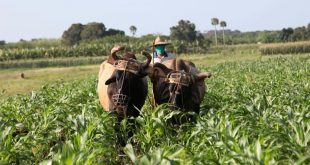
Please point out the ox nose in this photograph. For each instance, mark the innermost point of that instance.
(120, 102)
(120, 99)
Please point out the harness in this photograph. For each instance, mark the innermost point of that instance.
(120, 100)
(179, 78)
(131, 65)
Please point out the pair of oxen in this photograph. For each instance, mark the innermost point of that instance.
(122, 85)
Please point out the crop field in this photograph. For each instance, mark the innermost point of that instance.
(254, 112)
(11, 82)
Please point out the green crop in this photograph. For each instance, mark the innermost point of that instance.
(253, 113)
(286, 48)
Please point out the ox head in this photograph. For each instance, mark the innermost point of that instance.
(181, 85)
(182, 88)
(127, 75)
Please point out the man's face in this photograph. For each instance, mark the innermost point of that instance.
(160, 49)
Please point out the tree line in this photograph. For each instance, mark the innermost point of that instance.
(285, 35)
(90, 31)
(182, 35)
(184, 31)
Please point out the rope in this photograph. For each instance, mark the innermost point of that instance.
(123, 77)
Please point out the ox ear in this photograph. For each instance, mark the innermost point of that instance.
(112, 79)
(202, 76)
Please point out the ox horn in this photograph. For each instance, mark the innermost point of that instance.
(113, 55)
(149, 59)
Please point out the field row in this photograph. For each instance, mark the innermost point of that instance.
(96, 48)
(51, 62)
(286, 48)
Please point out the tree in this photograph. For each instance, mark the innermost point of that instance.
(286, 34)
(223, 25)
(92, 31)
(308, 31)
(72, 35)
(2, 42)
(300, 33)
(215, 22)
(184, 31)
(267, 36)
(133, 30)
(112, 32)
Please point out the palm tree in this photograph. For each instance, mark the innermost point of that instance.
(133, 30)
(223, 25)
(215, 22)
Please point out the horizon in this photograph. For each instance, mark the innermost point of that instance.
(35, 19)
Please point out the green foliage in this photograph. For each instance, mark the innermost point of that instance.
(285, 48)
(34, 43)
(133, 30)
(73, 34)
(114, 32)
(2, 42)
(184, 31)
(285, 35)
(92, 31)
(99, 47)
(63, 123)
(89, 50)
(214, 21)
(253, 113)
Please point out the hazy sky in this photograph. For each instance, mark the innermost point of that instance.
(29, 19)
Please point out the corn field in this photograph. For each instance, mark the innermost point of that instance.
(253, 113)
(94, 48)
(53, 52)
(286, 48)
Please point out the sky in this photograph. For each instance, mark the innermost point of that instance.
(29, 19)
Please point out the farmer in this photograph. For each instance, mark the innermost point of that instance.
(160, 54)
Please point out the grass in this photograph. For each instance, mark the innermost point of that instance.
(12, 83)
(51, 62)
(254, 112)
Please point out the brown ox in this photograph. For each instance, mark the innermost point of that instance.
(122, 86)
(179, 83)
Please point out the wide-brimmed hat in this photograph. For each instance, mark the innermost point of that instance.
(158, 41)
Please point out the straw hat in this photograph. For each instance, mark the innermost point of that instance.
(158, 41)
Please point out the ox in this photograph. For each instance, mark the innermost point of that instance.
(122, 86)
(179, 83)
